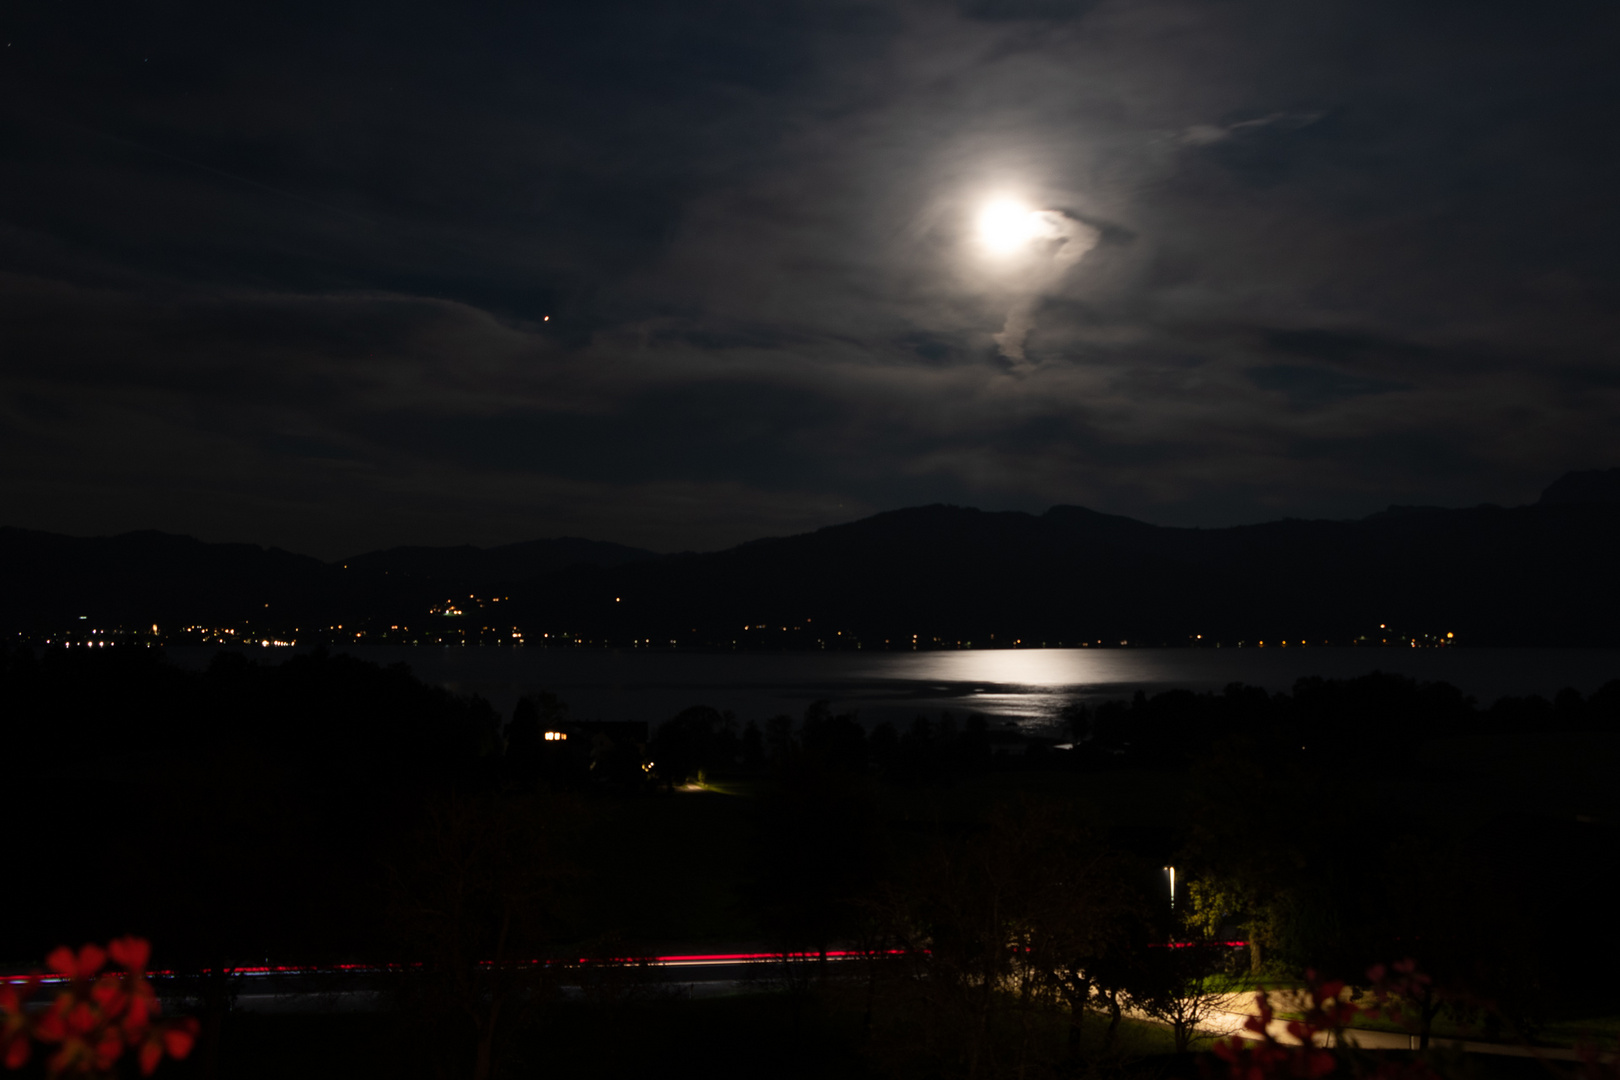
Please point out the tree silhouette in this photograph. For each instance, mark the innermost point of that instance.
(474, 899)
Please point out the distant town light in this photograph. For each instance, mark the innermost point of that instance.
(556, 736)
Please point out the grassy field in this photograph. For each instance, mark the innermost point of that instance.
(743, 1036)
(675, 868)
(678, 867)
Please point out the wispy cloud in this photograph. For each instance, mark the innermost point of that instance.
(1209, 134)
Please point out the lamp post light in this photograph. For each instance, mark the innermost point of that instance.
(1172, 887)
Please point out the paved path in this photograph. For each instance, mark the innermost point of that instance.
(1239, 1008)
(288, 990)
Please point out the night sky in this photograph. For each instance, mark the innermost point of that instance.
(341, 275)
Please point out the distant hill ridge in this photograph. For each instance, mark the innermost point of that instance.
(524, 561)
(1539, 574)
(1592, 486)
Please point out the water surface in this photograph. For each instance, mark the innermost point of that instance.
(1027, 687)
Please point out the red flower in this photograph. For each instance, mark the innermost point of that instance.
(1318, 1063)
(16, 1052)
(151, 1054)
(179, 1039)
(94, 1019)
(109, 996)
(81, 1018)
(52, 1026)
(90, 960)
(135, 1019)
(72, 1051)
(108, 1048)
(131, 953)
(13, 1026)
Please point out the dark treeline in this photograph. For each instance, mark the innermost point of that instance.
(1336, 721)
(204, 805)
(1371, 717)
(1005, 888)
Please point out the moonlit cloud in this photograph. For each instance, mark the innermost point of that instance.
(290, 282)
(1032, 248)
(1209, 134)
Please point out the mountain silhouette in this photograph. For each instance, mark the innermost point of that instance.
(1592, 486)
(1542, 574)
(505, 565)
(1530, 575)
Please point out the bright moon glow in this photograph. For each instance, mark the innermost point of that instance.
(1005, 226)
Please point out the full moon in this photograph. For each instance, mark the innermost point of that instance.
(1006, 226)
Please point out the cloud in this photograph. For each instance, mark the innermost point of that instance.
(1010, 340)
(1315, 387)
(1055, 242)
(298, 294)
(1210, 134)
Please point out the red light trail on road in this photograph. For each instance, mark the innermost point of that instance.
(682, 960)
(673, 961)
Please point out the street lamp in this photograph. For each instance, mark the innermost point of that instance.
(1172, 887)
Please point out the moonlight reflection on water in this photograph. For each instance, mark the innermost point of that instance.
(1026, 687)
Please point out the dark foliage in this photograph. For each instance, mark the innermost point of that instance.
(228, 814)
(698, 741)
(326, 809)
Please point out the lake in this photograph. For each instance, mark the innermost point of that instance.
(1026, 687)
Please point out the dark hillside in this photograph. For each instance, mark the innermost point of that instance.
(504, 565)
(152, 577)
(1533, 575)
